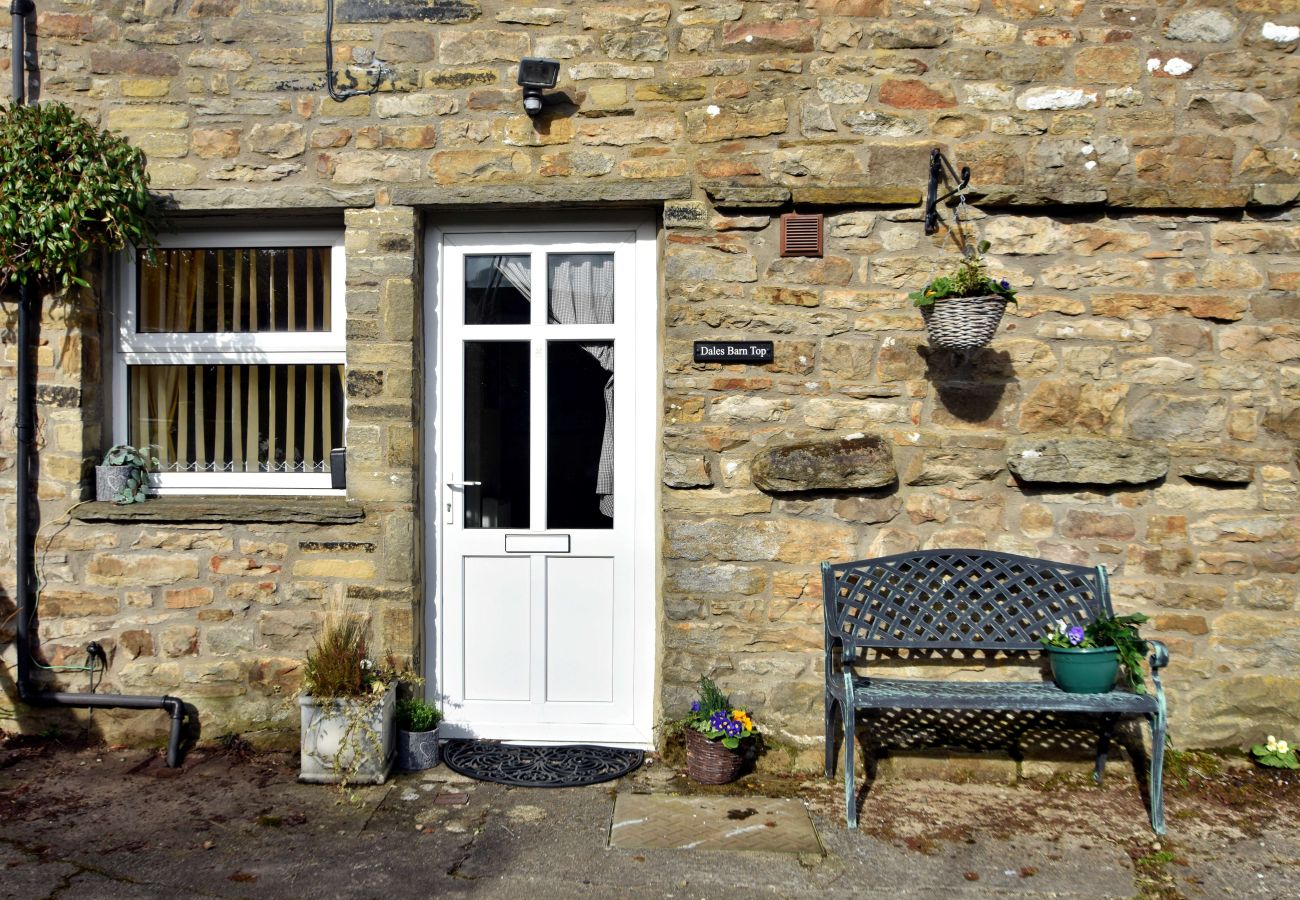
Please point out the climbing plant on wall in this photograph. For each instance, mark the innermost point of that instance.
(66, 188)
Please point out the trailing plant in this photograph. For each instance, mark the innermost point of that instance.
(137, 480)
(1275, 754)
(344, 681)
(969, 279)
(1120, 632)
(414, 714)
(713, 716)
(66, 188)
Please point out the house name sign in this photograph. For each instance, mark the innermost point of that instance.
(734, 352)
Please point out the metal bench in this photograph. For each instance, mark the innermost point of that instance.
(948, 602)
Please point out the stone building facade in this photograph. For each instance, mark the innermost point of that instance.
(1134, 165)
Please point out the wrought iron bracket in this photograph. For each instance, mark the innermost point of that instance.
(939, 162)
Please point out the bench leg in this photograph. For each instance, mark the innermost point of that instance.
(850, 790)
(829, 731)
(1104, 736)
(1157, 786)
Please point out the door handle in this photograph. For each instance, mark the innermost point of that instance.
(449, 506)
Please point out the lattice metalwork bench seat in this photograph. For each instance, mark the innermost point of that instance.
(940, 602)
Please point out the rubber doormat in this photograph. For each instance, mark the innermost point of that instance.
(524, 765)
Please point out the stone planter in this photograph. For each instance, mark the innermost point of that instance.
(348, 740)
(109, 480)
(417, 750)
(1078, 671)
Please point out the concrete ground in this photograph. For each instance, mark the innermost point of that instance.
(82, 823)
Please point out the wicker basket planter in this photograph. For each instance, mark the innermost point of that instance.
(963, 323)
(709, 762)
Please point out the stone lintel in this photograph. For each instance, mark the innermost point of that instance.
(1187, 196)
(746, 195)
(1061, 194)
(303, 510)
(444, 12)
(284, 199)
(858, 195)
(650, 190)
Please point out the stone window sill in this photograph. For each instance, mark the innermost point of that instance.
(226, 510)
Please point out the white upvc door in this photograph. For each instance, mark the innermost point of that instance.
(544, 496)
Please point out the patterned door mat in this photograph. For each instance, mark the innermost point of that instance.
(660, 822)
(524, 765)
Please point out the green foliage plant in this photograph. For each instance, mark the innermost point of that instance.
(1275, 754)
(140, 461)
(714, 717)
(1120, 632)
(969, 279)
(66, 188)
(414, 714)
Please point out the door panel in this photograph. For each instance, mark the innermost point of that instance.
(537, 521)
(580, 633)
(498, 623)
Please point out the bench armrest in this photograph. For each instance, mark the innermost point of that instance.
(1159, 656)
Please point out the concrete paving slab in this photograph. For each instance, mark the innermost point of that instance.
(657, 822)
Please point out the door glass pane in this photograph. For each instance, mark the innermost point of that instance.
(496, 434)
(580, 434)
(498, 289)
(581, 288)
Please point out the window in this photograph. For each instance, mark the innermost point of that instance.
(229, 363)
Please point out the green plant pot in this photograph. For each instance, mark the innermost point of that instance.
(1084, 671)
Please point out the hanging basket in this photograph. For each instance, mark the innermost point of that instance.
(709, 762)
(963, 323)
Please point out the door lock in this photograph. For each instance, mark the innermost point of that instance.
(450, 504)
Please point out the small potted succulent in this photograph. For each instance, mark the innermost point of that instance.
(417, 734)
(962, 309)
(347, 708)
(123, 476)
(718, 736)
(1085, 659)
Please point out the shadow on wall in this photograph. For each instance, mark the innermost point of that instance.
(969, 385)
(54, 722)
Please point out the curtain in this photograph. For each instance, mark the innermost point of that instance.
(582, 293)
(236, 418)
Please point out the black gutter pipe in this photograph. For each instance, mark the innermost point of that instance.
(29, 314)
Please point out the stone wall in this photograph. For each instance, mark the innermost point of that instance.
(1134, 165)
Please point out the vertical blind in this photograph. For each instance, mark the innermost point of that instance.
(236, 417)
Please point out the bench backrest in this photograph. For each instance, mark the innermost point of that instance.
(957, 599)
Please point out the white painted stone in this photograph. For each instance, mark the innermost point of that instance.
(1056, 98)
(1178, 66)
(1282, 34)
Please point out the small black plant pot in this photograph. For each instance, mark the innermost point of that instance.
(417, 750)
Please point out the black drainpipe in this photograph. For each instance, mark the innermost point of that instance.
(29, 314)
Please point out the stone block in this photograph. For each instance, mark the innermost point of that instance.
(757, 119)
(779, 540)
(62, 604)
(789, 36)
(142, 570)
(917, 94)
(843, 464)
(1210, 26)
(1087, 461)
(458, 48)
(686, 471)
(1173, 417)
(187, 598)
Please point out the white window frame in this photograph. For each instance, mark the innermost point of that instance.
(132, 348)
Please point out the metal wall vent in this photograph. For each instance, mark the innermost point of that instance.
(801, 234)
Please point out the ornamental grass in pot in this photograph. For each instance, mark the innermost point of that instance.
(347, 708)
(1086, 659)
(719, 737)
(963, 308)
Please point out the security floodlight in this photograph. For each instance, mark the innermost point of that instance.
(535, 75)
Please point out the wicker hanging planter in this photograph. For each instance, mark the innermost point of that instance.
(709, 762)
(963, 323)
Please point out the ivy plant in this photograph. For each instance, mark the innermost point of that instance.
(66, 189)
(140, 461)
